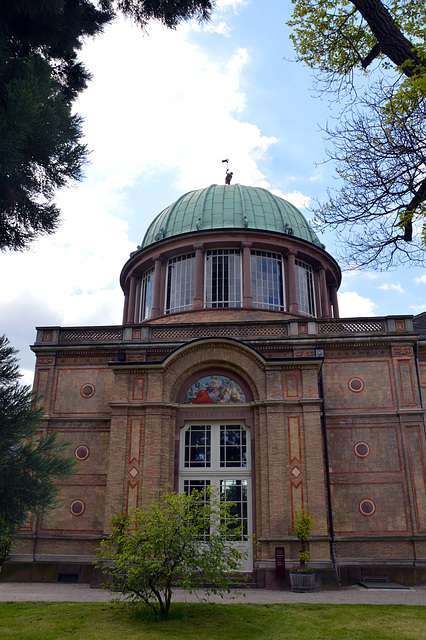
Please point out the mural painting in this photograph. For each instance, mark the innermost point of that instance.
(215, 390)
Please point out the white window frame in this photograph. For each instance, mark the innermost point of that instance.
(147, 291)
(306, 297)
(208, 288)
(215, 473)
(277, 257)
(182, 263)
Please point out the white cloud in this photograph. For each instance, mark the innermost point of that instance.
(220, 28)
(230, 4)
(174, 108)
(351, 305)
(156, 104)
(421, 279)
(316, 177)
(390, 286)
(295, 197)
(352, 275)
(27, 377)
(89, 249)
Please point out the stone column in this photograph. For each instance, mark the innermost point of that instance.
(132, 298)
(138, 300)
(126, 306)
(293, 306)
(334, 302)
(325, 309)
(247, 297)
(317, 294)
(156, 292)
(198, 301)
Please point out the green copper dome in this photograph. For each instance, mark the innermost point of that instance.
(229, 207)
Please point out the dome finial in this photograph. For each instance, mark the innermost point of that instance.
(229, 174)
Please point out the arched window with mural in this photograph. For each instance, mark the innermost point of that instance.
(215, 451)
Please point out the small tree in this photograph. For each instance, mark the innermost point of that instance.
(29, 463)
(179, 540)
(302, 528)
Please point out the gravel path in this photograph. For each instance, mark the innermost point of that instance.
(59, 592)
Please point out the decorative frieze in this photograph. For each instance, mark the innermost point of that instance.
(224, 331)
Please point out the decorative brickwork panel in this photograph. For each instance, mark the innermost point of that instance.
(423, 376)
(382, 450)
(45, 360)
(375, 394)
(295, 460)
(47, 336)
(418, 475)
(97, 443)
(41, 387)
(406, 380)
(87, 520)
(135, 442)
(389, 515)
(134, 464)
(27, 524)
(304, 353)
(136, 357)
(400, 325)
(294, 439)
(69, 399)
(296, 499)
(84, 360)
(132, 501)
(88, 335)
(291, 386)
(351, 327)
(138, 385)
(402, 351)
(225, 331)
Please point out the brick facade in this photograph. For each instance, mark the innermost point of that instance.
(333, 408)
(121, 411)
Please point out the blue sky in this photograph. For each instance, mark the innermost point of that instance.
(161, 112)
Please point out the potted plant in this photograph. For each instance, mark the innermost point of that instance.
(302, 578)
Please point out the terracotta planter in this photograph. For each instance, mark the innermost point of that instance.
(302, 582)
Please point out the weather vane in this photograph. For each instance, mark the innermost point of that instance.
(229, 174)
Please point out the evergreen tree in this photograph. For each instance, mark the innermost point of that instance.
(30, 462)
(40, 76)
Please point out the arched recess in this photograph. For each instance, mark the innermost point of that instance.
(214, 440)
(231, 356)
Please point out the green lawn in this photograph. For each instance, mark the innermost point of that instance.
(76, 621)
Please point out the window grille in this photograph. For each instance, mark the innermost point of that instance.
(180, 283)
(305, 289)
(147, 286)
(223, 278)
(267, 280)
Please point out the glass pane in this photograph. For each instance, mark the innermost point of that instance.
(203, 525)
(235, 491)
(305, 288)
(197, 446)
(147, 284)
(180, 283)
(223, 278)
(195, 485)
(266, 280)
(233, 448)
